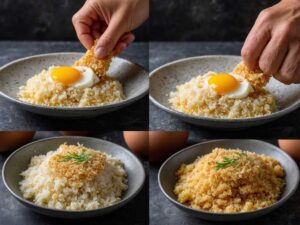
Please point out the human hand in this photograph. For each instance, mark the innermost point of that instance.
(111, 22)
(273, 43)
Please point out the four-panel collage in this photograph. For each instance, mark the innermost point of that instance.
(148, 112)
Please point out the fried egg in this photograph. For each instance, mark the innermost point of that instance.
(230, 85)
(77, 76)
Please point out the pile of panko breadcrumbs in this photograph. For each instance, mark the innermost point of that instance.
(40, 91)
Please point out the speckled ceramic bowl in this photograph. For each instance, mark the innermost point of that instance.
(164, 79)
(19, 160)
(15, 74)
(167, 179)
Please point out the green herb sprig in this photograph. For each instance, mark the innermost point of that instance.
(76, 157)
(227, 162)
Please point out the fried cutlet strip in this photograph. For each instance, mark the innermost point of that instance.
(256, 78)
(99, 66)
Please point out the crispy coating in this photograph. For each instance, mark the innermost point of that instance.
(195, 98)
(249, 182)
(256, 78)
(99, 66)
(77, 173)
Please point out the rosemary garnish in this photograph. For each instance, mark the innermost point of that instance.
(227, 162)
(76, 157)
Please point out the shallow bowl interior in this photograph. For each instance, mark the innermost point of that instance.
(167, 178)
(15, 74)
(164, 80)
(19, 161)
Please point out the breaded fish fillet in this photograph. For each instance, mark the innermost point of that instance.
(256, 78)
(99, 66)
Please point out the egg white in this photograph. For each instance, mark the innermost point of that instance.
(88, 77)
(242, 91)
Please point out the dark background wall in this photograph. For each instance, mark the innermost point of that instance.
(43, 20)
(203, 20)
(171, 20)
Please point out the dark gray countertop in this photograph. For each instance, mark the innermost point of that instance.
(133, 117)
(163, 212)
(163, 52)
(134, 213)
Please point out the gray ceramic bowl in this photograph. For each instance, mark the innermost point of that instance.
(164, 79)
(19, 160)
(15, 74)
(167, 179)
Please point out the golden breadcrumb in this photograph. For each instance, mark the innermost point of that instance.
(256, 78)
(40, 91)
(77, 173)
(196, 98)
(45, 183)
(99, 66)
(230, 181)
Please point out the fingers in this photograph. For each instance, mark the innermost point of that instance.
(255, 42)
(120, 48)
(274, 53)
(290, 69)
(83, 33)
(110, 37)
(82, 23)
(127, 38)
(95, 30)
(123, 43)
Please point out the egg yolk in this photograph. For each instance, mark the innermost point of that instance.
(223, 83)
(65, 75)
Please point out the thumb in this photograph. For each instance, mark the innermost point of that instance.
(109, 38)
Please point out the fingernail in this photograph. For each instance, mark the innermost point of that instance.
(100, 52)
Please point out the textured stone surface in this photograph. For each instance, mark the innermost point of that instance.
(43, 20)
(12, 118)
(163, 212)
(203, 20)
(135, 213)
(163, 52)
